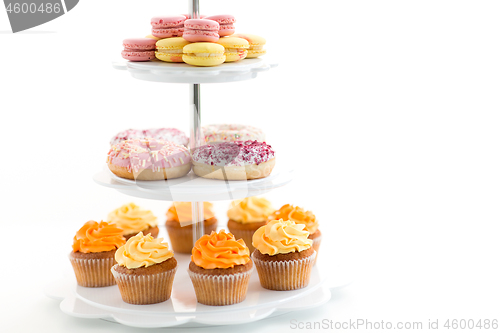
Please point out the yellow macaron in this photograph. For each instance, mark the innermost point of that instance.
(203, 54)
(256, 48)
(152, 37)
(236, 48)
(170, 49)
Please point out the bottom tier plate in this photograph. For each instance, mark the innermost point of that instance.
(182, 308)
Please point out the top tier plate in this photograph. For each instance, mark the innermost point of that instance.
(160, 71)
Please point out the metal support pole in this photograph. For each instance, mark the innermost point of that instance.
(194, 8)
(195, 139)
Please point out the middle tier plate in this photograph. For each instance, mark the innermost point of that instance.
(194, 188)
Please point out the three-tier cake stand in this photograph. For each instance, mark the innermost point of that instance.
(182, 308)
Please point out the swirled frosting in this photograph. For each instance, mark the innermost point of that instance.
(131, 218)
(98, 237)
(142, 251)
(220, 250)
(181, 211)
(297, 215)
(251, 209)
(279, 236)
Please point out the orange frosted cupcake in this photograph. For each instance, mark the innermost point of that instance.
(220, 269)
(300, 216)
(246, 216)
(93, 255)
(145, 270)
(132, 219)
(283, 255)
(180, 228)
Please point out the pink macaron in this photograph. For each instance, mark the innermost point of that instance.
(168, 26)
(139, 49)
(201, 30)
(226, 26)
(188, 16)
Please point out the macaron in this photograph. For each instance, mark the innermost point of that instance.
(139, 49)
(235, 48)
(152, 37)
(203, 54)
(201, 30)
(256, 44)
(170, 49)
(226, 26)
(188, 16)
(168, 26)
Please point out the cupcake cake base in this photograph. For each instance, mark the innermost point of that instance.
(93, 269)
(288, 271)
(220, 286)
(146, 285)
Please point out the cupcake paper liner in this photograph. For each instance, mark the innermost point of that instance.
(93, 272)
(145, 289)
(220, 289)
(182, 238)
(316, 244)
(284, 275)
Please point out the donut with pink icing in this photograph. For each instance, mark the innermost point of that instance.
(166, 134)
(149, 159)
(237, 160)
(232, 132)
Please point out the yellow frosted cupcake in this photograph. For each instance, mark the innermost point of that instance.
(301, 216)
(93, 255)
(246, 216)
(145, 270)
(132, 219)
(220, 269)
(283, 255)
(180, 228)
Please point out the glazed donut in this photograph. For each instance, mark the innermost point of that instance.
(237, 160)
(166, 134)
(231, 133)
(149, 159)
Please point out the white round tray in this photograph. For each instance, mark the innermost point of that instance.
(193, 188)
(182, 308)
(160, 71)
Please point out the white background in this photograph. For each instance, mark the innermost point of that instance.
(387, 110)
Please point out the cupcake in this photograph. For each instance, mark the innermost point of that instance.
(145, 270)
(220, 269)
(283, 255)
(179, 225)
(132, 219)
(299, 215)
(93, 255)
(246, 216)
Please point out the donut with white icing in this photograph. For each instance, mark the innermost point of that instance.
(166, 134)
(237, 160)
(149, 159)
(231, 133)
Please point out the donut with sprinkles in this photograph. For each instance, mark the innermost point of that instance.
(237, 160)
